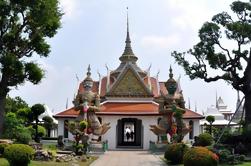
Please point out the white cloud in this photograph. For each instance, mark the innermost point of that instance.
(70, 8)
(193, 13)
(58, 84)
(160, 41)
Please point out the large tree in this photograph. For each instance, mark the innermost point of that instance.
(24, 27)
(212, 58)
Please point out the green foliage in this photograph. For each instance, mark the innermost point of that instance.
(212, 59)
(23, 136)
(224, 155)
(37, 110)
(41, 131)
(82, 125)
(14, 129)
(18, 154)
(15, 104)
(198, 156)
(48, 124)
(174, 152)
(178, 114)
(205, 139)
(25, 27)
(2, 147)
(210, 119)
(78, 148)
(11, 124)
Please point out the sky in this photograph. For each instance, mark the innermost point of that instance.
(93, 32)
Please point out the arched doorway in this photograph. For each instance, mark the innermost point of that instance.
(129, 133)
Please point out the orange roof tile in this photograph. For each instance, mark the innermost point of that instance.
(189, 114)
(71, 112)
(127, 109)
(130, 108)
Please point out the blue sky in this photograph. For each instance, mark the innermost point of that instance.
(93, 32)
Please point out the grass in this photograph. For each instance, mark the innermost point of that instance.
(4, 162)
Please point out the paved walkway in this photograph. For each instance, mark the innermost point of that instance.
(128, 158)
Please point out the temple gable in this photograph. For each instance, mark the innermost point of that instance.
(129, 84)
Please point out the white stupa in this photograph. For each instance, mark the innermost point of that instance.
(49, 113)
(219, 117)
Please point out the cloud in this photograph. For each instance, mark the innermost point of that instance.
(193, 13)
(52, 91)
(70, 8)
(160, 41)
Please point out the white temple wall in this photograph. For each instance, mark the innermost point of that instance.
(111, 134)
(196, 129)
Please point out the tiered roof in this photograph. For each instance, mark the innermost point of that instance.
(133, 89)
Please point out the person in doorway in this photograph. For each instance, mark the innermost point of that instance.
(132, 135)
(128, 132)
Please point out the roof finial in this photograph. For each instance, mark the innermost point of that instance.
(128, 54)
(127, 26)
(88, 71)
(170, 72)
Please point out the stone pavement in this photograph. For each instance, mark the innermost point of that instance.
(128, 158)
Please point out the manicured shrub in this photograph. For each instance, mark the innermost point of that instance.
(224, 155)
(174, 152)
(2, 147)
(82, 125)
(200, 156)
(41, 131)
(18, 154)
(205, 139)
(23, 135)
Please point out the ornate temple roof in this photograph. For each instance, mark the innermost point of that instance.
(128, 57)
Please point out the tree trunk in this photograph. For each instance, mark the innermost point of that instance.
(247, 107)
(2, 113)
(247, 91)
(36, 128)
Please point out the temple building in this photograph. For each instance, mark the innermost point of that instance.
(131, 100)
(223, 109)
(221, 113)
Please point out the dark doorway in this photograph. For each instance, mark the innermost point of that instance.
(129, 132)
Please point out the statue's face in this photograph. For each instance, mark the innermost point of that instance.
(172, 88)
(88, 85)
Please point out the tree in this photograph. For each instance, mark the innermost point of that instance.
(24, 27)
(48, 124)
(37, 110)
(210, 120)
(14, 104)
(232, 63)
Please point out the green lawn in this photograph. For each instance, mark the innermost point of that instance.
(245, 164)
(4, 162)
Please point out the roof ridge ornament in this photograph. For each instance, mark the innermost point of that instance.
(88, 82)
(128, 54)
(170, 72)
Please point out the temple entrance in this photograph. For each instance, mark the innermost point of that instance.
(129, 133)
